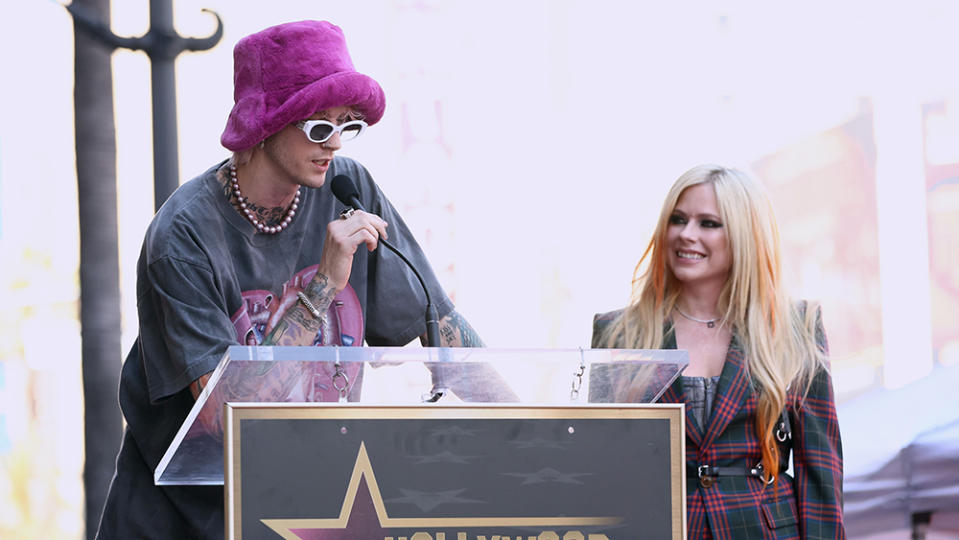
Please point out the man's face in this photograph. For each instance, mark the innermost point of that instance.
(299, 160)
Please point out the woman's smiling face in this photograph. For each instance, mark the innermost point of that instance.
(698, 247)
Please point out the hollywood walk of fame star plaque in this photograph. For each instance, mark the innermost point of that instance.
(454, 472)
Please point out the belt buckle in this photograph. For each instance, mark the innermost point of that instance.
(757, 471)
(704, 479)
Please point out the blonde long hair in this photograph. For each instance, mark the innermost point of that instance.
(778, 336)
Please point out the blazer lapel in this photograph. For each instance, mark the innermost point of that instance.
(732, 392)
(675, 394)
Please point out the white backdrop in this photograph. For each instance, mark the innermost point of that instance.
(528, 143)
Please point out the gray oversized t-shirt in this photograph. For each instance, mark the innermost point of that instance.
(201, 270)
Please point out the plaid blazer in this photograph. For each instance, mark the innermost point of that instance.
(806, 505)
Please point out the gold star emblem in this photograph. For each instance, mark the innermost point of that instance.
(363, 502)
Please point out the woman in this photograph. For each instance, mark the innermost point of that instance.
(757, 386)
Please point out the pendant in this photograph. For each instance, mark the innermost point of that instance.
(711, 324)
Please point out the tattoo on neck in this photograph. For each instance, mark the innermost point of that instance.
(223, 177)
(269, 216)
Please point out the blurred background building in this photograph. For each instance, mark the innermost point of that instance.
(529, 145)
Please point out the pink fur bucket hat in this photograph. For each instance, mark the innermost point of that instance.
(289, 72)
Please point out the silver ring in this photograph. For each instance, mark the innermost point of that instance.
(347, 213)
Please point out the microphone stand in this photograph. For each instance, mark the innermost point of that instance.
(432, 323)
(432, 329)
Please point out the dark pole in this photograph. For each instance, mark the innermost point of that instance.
(94, 43)
(99, 264)
(165, 155)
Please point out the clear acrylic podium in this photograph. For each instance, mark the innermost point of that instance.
(405, 376)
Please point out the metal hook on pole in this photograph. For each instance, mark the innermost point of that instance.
(162, 44)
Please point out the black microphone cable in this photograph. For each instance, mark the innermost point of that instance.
(345, 191)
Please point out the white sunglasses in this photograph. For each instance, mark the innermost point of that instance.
(320, 131)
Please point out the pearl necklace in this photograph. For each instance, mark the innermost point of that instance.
(244, 207)
(710, 323)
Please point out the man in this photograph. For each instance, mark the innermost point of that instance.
(257, 250)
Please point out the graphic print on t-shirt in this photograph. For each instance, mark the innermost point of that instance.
(261, 310)
(343, 326)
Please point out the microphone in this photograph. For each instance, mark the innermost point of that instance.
(345, 191)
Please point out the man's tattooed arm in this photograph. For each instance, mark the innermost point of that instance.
(472, 382)
(298, 326)
(456, 332)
